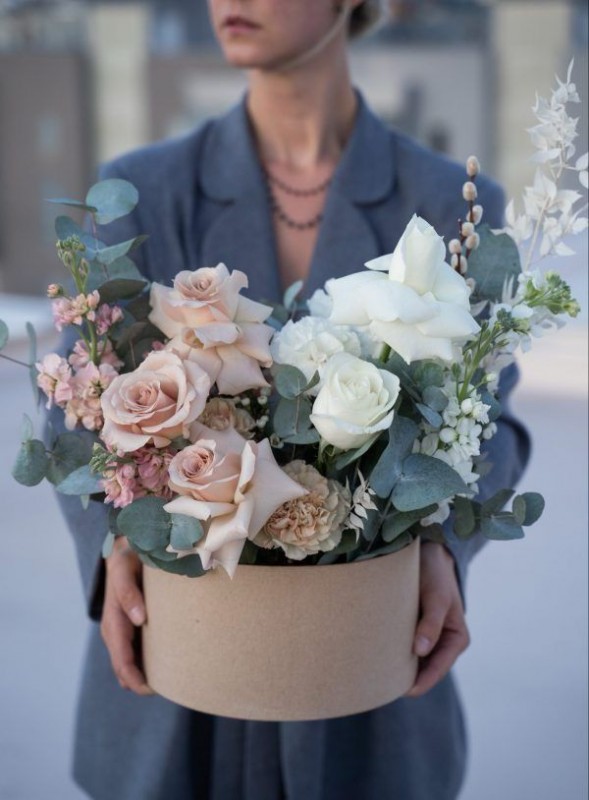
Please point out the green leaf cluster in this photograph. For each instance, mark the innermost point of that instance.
(292, 414)
(494, 263)
(491, 517)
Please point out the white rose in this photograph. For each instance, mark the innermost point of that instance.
(319, 304)
(309, 344)
(355, 401)
(420, 309)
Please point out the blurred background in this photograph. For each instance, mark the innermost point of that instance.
(81, 82)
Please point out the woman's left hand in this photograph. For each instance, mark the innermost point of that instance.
(441, 634)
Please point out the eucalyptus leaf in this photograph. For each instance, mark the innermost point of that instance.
(108, 255)
(435, 398)
(31, 463)
(426, 374)
(350, 456)
(433, 533)
(249, 554)
(310, 436)
(139, 307)
(398, 522)
(190, 566)
(402, 541)
(347, 544)
(31, 333)
(495, 261)
(120, 289)
(67, 201)
(112, 199)
(108, 544)
(122, 269)
(33, 373)
(291, 418)
(289, 381)
(4, 334)
(70, 452)
(501, 527)
(425, 480)
(465, 520)
(534, 507)
(26, 431)
(85, 501)
(80, 481)
(430, 416)
(145, 523)
(387, 470)
(497, 502)
(186, 532)
(291, 294)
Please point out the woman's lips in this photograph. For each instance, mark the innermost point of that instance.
(239, 25)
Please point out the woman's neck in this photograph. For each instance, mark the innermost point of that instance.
(304, 116)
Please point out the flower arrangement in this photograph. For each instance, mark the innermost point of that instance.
(220, 430)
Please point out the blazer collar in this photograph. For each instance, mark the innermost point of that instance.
(364, 175)
(242, 235)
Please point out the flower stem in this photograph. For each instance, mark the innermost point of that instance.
(16, 361)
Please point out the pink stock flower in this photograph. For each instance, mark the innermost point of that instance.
(73, 310)
(146, 474)
(54, 290)
(79, 356)
(120, 486)
(106, 317)
(88, 385)
(54, 378)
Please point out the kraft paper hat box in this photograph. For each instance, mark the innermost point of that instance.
(284, 643)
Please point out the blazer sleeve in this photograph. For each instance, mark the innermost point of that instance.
(89, 527)
(509, 450)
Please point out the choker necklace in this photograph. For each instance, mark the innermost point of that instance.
(281, 213)
(292, 190)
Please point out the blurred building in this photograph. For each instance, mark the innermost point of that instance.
(81, 82)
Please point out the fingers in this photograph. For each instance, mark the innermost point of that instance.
(441, 634)
(437, 665)
(124, 608)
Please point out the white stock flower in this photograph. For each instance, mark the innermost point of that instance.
(309, 344)
(420, 308)
(355, 402)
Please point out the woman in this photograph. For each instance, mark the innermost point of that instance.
(300, 181)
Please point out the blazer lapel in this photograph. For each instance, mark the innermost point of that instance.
(364, 177)
(240, 233)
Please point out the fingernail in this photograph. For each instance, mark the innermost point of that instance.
(422, 645)
(137, 615)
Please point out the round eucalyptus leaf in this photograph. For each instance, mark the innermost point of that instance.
(289, 381)
(186, 531)
(146, 523)
(80, 481)
(425, 480)
(31, 463)
(70, 452)
(533, 507)
(501, 527)
(4, 334)
(112, 198)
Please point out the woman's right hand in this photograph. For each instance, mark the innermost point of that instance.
(123, 611)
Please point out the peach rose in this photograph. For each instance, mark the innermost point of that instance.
(210, 323)
(233, 489)
(154, 403)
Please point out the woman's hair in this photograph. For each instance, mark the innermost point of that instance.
(366, 16)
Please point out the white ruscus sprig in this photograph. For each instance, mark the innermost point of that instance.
(549, 213)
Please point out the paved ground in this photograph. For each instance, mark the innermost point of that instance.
(524, 678)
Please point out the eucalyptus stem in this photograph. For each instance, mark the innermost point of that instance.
(16, 361)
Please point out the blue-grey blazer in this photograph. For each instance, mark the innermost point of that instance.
(203, 200)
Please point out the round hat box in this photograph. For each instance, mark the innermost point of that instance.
(284, 643)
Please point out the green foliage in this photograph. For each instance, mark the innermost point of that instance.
(145, 523)
(528, 507)
(465, 517)
(435, 398)
(108, 255)
(80, 481)
(292, 421)
(426, 374)
(402, 541)
(66, 228)
(111, 199)
(291, 294)
(4, 335)
(388, 469)
(108, 544)
(397, 522)
(185, 531)
(290, 382)
(350, 456)
(347, 545)
(70, 452)
(501, 527)
(66, 201)
(425, 480)
(430, 416)
(31, 463)
(495, 261)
